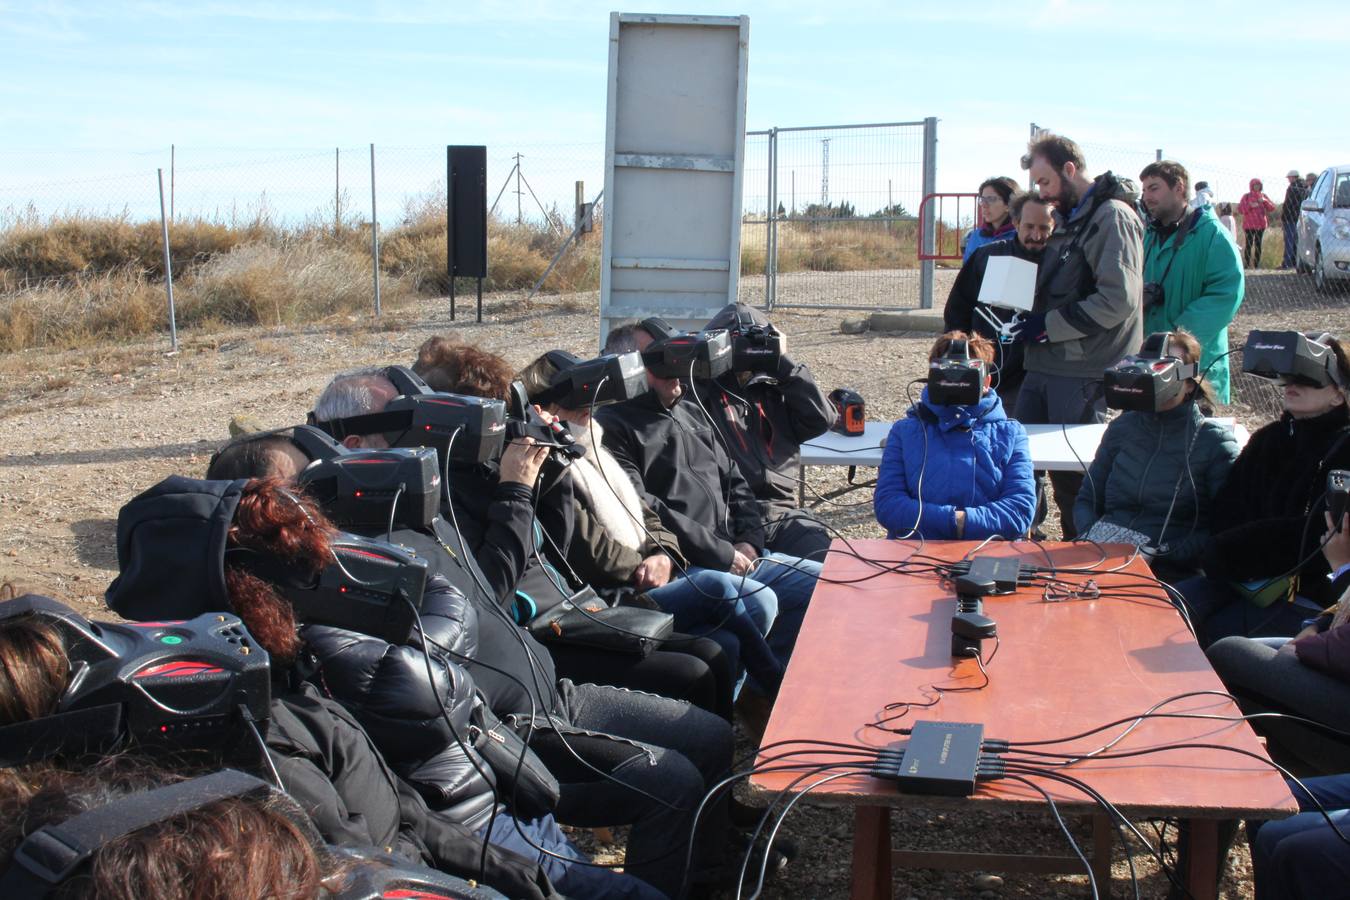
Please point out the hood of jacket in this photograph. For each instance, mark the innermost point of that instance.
(1255, 185)
(728, 315)
(1106, 186)
(171, 549)
(948, 417)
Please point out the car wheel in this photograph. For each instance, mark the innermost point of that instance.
(1324, 284)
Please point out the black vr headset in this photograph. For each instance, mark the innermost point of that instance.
(678, 354)
(523, 421)
(1148, 380)
(395, 488)
(366, 587)
(583, 384)
(180, 685)
(754, 347)
(956, 378)
(1292, 357)
(472, 429)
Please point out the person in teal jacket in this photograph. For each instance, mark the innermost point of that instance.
(1192, 271)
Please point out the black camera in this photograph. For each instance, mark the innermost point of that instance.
(590, 383)
(398, 487)
(1291, 356)
(1338, 495)
(178, 684)
(1149, 380)
(756, 348)
(472, 429)
(956, 378)
(679, 354)
(1153, 294)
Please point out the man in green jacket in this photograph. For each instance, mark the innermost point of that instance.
(1192, 270)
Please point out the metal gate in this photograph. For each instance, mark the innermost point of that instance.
(831, 216)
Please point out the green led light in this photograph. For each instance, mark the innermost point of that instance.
(170, 639)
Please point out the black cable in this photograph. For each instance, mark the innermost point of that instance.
(393, 510)
(906, 706)
(463, 748)
(1078, 851)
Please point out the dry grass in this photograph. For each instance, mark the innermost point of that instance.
(844, 246)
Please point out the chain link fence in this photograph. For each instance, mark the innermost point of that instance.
(831, 216)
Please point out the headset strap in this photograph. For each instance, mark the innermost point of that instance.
(53, 853)
(37, 739)
(369, 423)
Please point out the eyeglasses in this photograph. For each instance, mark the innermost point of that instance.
(986, 199)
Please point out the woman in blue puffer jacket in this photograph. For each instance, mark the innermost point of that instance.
(957, 471)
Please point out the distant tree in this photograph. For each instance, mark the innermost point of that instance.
(894, 211)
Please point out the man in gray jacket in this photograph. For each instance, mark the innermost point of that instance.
(1088, 311)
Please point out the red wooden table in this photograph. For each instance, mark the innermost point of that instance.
(1061, 668)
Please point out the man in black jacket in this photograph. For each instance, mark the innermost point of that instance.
(764, 418)
(1294, 195)
(678, 465)
(1032, 216)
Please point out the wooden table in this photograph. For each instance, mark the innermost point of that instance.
(1062, 668)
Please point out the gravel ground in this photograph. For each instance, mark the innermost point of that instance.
(87, 429)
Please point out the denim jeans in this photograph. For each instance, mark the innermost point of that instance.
(1301, 858)
(1218, 611)
(793, 580)
(1290, 244)
(570, 879)
(719, 605)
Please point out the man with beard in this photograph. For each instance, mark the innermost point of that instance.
(1033, 225)
(1192, 273)
(1087, 315)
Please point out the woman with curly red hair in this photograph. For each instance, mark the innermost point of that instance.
(255, 544)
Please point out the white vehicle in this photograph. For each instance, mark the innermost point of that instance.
(1324, 230)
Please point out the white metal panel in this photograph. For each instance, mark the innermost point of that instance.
(674, 153)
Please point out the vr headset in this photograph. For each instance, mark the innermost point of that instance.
(183, 685)
(472, 429)
(1338, 495)
(1291, 357)
(678, 354)
(370, 488)
(367, 587)
(755, 348)
(1148, 380)
(848, 403)
(955, 378)
(524, 421)
(585, 384)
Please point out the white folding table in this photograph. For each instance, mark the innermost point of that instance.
(1054, 448)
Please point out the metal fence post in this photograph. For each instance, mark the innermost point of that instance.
(771, 235)
(929, 222)
(168, 264)
(337, 191)
(374, 232)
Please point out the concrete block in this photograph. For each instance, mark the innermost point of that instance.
(924, 320)
(853, 326)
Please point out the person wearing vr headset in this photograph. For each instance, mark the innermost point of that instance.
(1266, 571)
(1032, 226)
(620, 544)
(1193, 277)
(956, 467)
(681, 743)
(134, 830)
(1160, 464)
(268, 554)
(669, 447)
(1087, 313)
(501, 513)
(765, 408)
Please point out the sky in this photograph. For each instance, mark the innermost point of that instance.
(255, 96)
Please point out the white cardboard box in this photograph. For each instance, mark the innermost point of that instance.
(1009, 282)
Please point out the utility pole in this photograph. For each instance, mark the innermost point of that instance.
(825, 172)
(518, 219)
